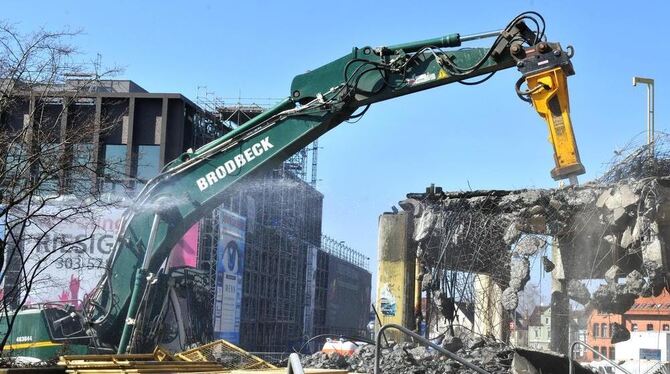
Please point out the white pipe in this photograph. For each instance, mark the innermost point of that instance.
(650, 110)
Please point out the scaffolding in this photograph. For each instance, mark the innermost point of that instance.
(342, 251)
(287, 222)
(283, 220)
(234, 112)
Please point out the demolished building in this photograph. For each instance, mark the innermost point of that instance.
(479, 245)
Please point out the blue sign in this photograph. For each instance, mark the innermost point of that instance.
(229, 275)
(650, 354)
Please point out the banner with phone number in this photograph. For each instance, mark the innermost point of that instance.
(69, 255)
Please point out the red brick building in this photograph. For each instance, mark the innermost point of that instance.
(647, 314)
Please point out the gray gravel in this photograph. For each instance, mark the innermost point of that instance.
(411, 358)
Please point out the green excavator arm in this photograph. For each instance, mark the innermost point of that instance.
(194, 184)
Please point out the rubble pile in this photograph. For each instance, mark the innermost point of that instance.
(611, 229)
(412, 358)
(491, 356)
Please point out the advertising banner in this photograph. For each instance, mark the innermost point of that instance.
(229, 276)
(65, 258)
(185, 252)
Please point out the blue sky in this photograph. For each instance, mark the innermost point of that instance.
(454, 136)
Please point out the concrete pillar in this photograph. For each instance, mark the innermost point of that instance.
(560, 304)
(395, 276)
(489, 313)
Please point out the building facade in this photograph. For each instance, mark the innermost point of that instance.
(539, 328)
(648, 321)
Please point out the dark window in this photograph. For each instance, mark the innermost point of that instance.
(595, 355)
(603, 351)
(650, 327)
(595, 330)
(666, 327)
(633, 327)
(611, 356)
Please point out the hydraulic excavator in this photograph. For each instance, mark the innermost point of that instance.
(193, 185)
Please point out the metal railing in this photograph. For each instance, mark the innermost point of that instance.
(572, 358)
(657, 367)
(424, 341)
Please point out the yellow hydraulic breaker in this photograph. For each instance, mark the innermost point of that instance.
(545, 68)
(549, 94)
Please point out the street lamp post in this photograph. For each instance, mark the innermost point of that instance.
(650, 110)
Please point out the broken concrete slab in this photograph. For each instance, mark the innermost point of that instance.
(619, 333)
(622, 196)
(510, 299)
(547, 265)
(635, 282)
(529, 245)
(613, 298)
(519, 273)
(578, 292)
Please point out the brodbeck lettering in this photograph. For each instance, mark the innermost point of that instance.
(229, 166)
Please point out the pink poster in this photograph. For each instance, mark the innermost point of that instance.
(185, 252)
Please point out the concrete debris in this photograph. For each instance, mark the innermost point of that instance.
(635, 282)
(412, 206)
(529, 245)
(613, 298)
(510, 299)
(622, 197)
(512, 233)
(452, 343)
(611, 239)
(619, 333)
(600, 203)
(627, 240)
(547, 265)
(613, 273)
(519, 273)
(656, 278)
(412, 358)
(603, 231)
(424, 225)
(578, 292)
